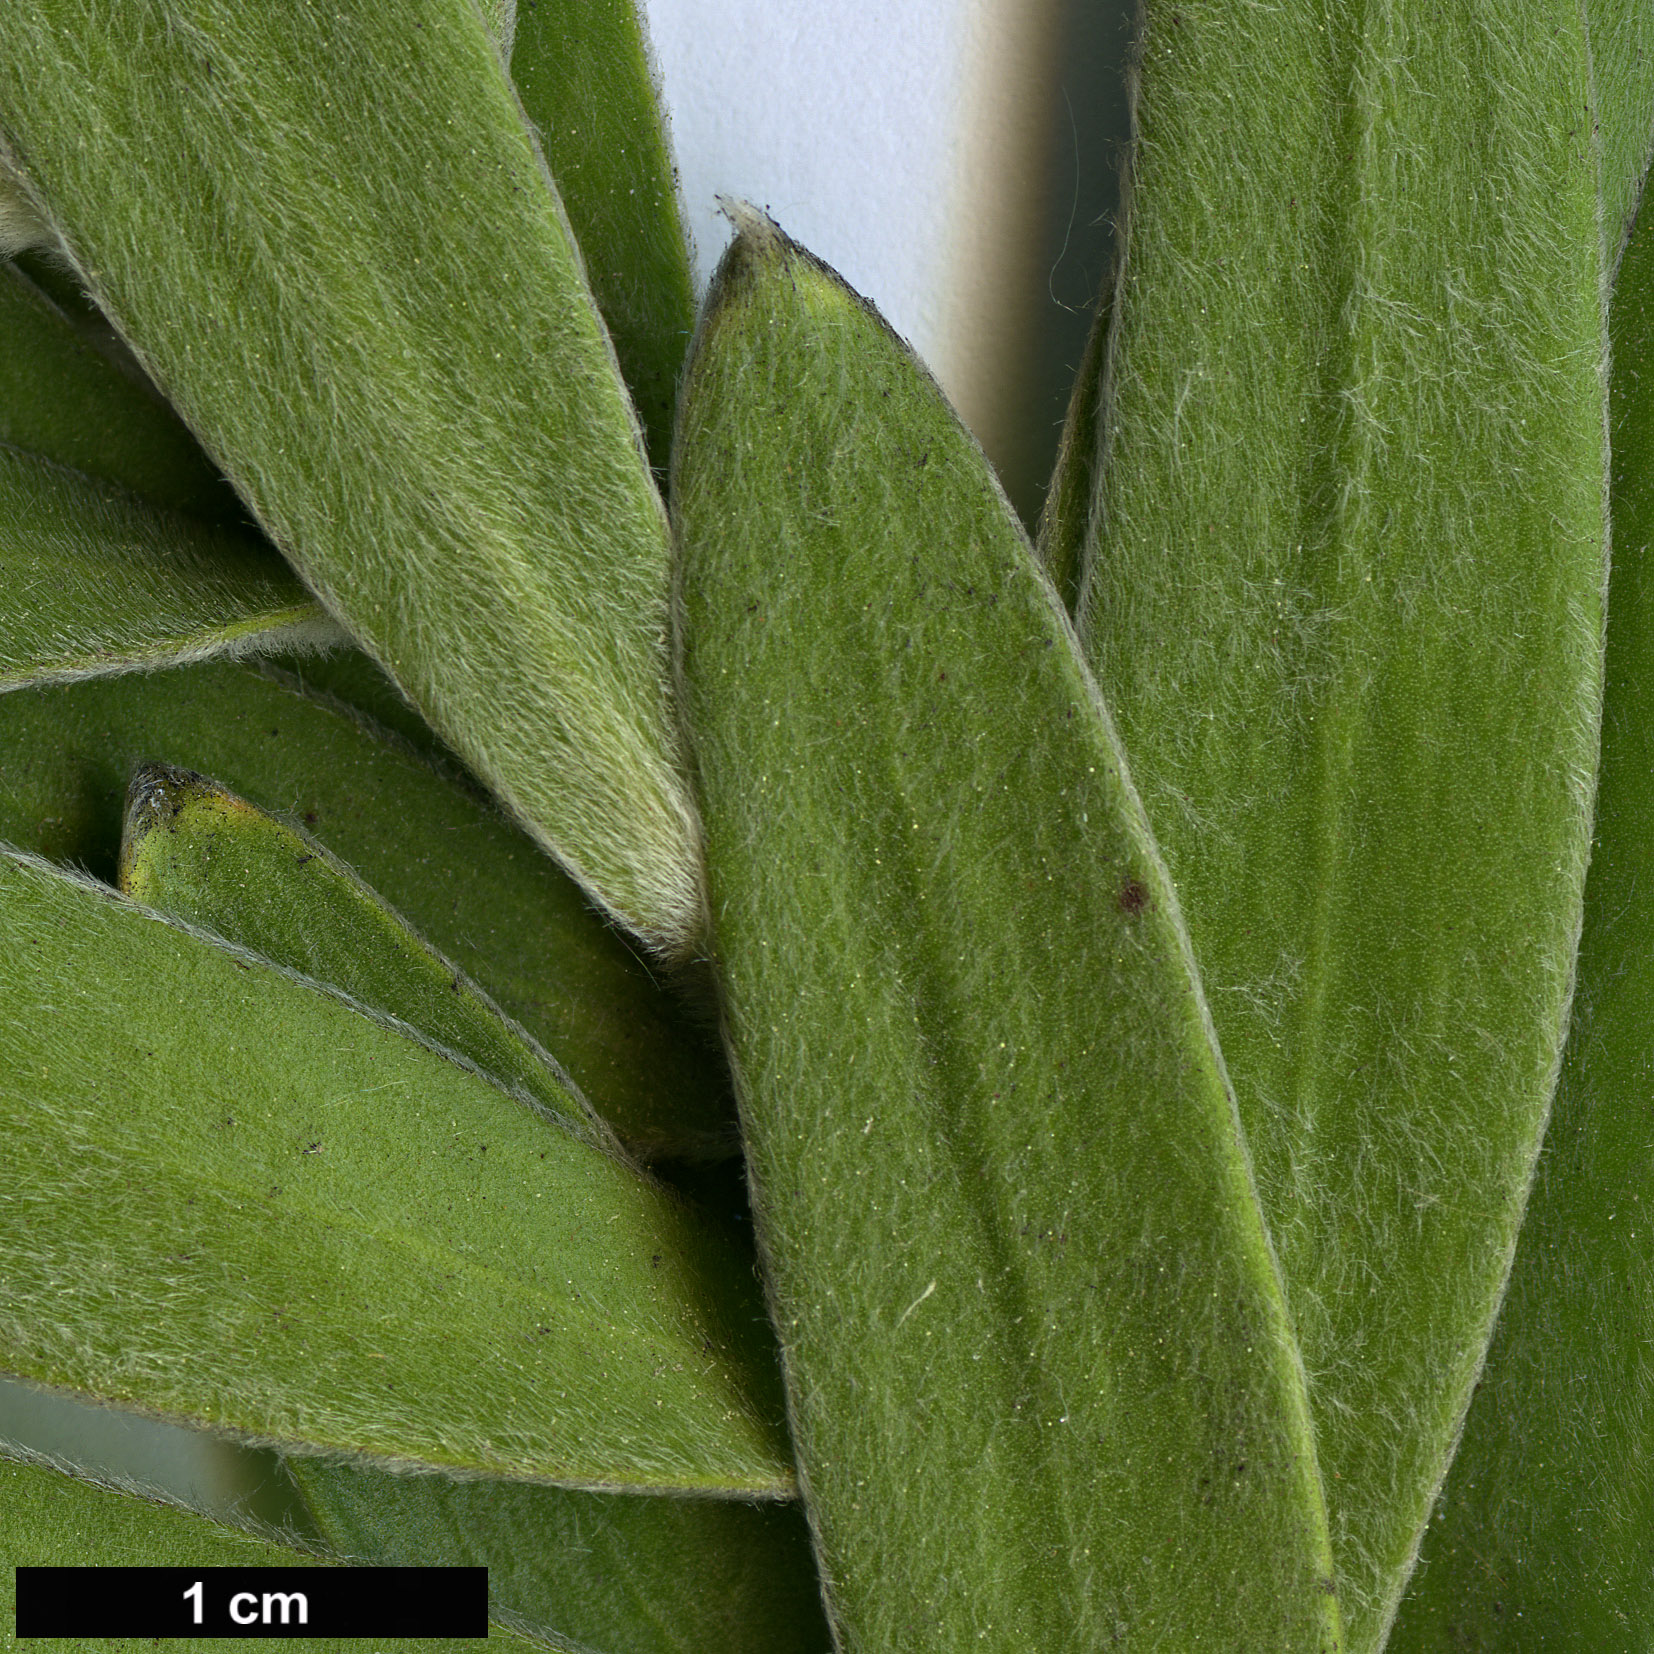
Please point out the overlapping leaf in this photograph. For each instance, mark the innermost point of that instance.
(119, 547)
(237, 1199)
(198, 853)
(1065, 521)
(1043, 1390)
(372, 311)
(1622, 72)
(475, 887)
(1344, 597)
(1541, 1539)
(98, 582)
(581, 68)
(606, 1571)
(72, 394)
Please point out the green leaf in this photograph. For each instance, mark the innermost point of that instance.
(120, 547)
(21, 225)
(235, 1198)
(1542, 1536)
(349, 676)
(98, 582)
(1345, 601)
(476, 887)
(71, 393)
(582, 71)
(330, 236)
(49, 1518)
(200, 854)
(1043, 1390)
(197, 852)
(1622, 72)
(640, 1574)
(1065, 518)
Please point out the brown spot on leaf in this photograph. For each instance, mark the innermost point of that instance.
(1132, 897)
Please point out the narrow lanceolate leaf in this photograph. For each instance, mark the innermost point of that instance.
(1345, 601)
(52, 1519)
(96, 581)
(70, 393)
(1065, 519)
(234, 1198)
(468, 881)
(379, 327)
(1042, 1386)
(582, 70)
(632, 1573)
(120, 546)
(195, 851)
(1542, 1536)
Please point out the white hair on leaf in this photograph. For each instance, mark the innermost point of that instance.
(23, 228)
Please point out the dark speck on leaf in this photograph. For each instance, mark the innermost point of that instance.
(1132, 896)
(310, 818)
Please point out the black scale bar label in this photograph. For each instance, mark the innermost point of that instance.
(252, 1602)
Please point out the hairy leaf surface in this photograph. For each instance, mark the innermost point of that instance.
(582, 70)
(120, 546)
(355, 679)
(476, 887)
(199, 853)
(1042, 1386)
(1344, 598)
(97, 582)
(1065, 519)
(1542, 1536)
(649, 1575)
(236, 1198)
(72, 393)
(1622, 70)
(371, 310)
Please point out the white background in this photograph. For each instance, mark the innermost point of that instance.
(953, 159)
